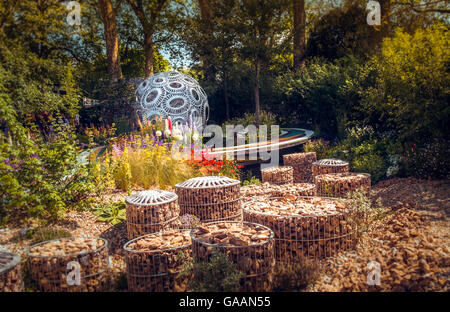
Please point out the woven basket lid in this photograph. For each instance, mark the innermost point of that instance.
(8, 260)
(151, 198)
(208, 182)
(330, 162)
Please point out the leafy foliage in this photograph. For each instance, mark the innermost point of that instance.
(295, 276)
(112, 212)
(219, 274)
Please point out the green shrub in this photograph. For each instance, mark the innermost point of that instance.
(42, 234)
(320, 147)
(219, 274)
(112, 212)
(39, 177)
(429, 160)
(295, 276)
(362, 213)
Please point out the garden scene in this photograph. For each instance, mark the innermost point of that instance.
(224, 146)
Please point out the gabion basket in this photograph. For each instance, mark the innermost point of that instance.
(302, 165)
(325, 166)
(151, 211)
(278, 175)
(314, 235)
(10, 273)
(254, 260)
(341, 184)
(211, 198)
(52, 270)
(157, 270)
(272, 190)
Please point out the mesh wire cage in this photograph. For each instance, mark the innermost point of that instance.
(341, 184)
(273, 190)
(325, 166)
(210, 198)
(154, 261)
(278, 175)
(151, 211)
(304, 227)
(53, 264)
(250, 246)
(10, 273)
(302, 165)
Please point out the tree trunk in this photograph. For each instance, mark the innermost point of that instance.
(299, 32)
(108, 14)
(256, 90)
(206, 14)
(148, 48)
(227, 101)
(385, 17)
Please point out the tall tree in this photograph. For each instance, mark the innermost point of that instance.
(299, 32)
(108, 14)
(264, 35)
(159, 20)
(207, 24)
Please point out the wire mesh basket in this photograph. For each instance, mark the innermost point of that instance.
(325, 166)
(250, 246)
(302, 165)
(154, 261)
(78, 264)
(341, 184)
(151, 211)
(210, 198)
(278, 175)
(305, 226)
(273, 190)
(10, 273)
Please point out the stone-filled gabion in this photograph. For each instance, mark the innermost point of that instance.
(302, 165)
(151, 211)
(273, 190)
(341, 184)
(210, 198)
(248, 245)
(154, 261)
(173, 94)
(312, 227)
(325, 166)
(278, 175)
(10, 273)
(53, 264)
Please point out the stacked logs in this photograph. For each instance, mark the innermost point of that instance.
(150, 212)
(210, 198)
(301, 163)
(278, 175)
(154, 261)
(325, 166)
(341, 184)
(10, 273)
(312, 227)
(248, 245)
(54, 264)
(273, 190)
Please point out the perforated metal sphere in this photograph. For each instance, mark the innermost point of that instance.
(173, 94)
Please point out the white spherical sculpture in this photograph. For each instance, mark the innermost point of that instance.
(173, 94)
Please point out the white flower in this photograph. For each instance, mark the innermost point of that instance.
(158, 133)
(167, 132)
(195, 136)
